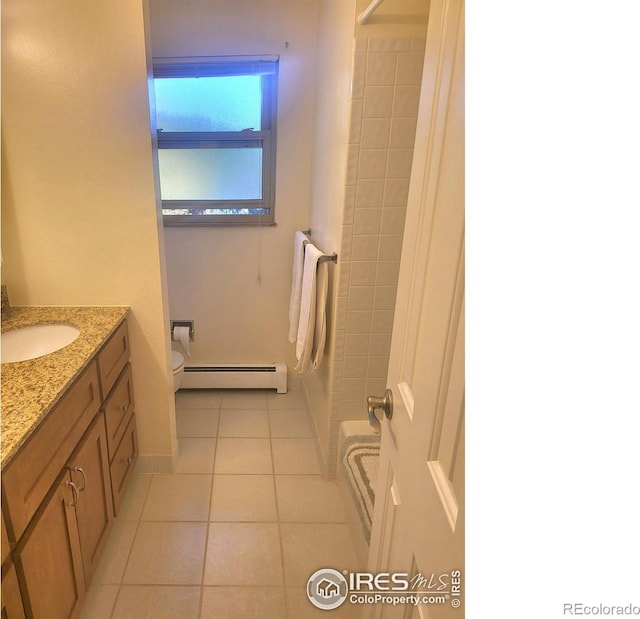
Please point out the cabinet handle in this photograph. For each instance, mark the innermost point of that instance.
(124, 408)
(128, 460)
(80, 470)
(74, 491)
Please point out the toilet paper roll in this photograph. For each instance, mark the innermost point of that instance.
(181, 334)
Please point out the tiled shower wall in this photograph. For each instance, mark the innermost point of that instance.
(384, 109)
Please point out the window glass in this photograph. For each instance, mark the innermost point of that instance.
(209, 103)
(211, 174)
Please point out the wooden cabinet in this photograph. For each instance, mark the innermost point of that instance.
(29, 476)
(89, 471)
(48, 557)
(62, 489)
(11, 599)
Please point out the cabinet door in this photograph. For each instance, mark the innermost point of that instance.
(11, 598)
(48, 558)
(89, 470)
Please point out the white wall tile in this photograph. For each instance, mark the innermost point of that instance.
(396, 192)
(378, 101)
(403, 133)
(410, 68)
(359, 75)
(355, 125)
(399, 163)
(359, 321)
(381, 69)
(387, 272)
(406, 100)
(372, 163)
(369, 192)
(356, 344)
(375, 132)
(365, 247)
(367, 221)
(393, 220)
(390, 247)
(363, 273)
(389, 44)
(355, 367)
(361, 297)
(384, 297)
(380, 344)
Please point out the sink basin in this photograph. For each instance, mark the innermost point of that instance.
(37, 341)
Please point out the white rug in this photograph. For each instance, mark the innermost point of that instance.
(360, 460)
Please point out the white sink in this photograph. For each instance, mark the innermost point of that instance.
(37, 341)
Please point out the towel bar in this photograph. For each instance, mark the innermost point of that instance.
(329, 257)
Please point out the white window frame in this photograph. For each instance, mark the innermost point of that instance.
(265, 139)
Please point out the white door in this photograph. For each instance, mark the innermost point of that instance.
(418, 525)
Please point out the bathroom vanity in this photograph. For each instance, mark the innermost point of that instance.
(69, 446)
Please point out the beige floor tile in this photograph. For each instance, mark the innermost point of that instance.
(99, 602)
(295, 456)
(310, 547)
(114, 558)
(134, 498)
(300, 607)
(197, 398)
(290, 424)
(290, 400)
(135, 602)
(197, 423)
(167, 553)
(243, 498)
(243, 554)
(196, 455)
(307, 498)
(243, 423)
(243, 603)
(244, 398)
(178, 498)
(243, 455)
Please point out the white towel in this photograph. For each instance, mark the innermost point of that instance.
(299, 241)
(312, 327)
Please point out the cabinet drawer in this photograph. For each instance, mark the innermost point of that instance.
(113, 357)
(30, 475)
(118, 408)
(124, 462)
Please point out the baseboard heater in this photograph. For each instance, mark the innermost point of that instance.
(270, 376)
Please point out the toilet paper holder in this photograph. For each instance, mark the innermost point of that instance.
(183, 323)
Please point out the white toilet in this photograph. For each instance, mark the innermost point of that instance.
(178, 370)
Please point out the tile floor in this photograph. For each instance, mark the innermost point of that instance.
(240, 526)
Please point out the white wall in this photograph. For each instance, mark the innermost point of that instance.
(80, 223)
(235, 282)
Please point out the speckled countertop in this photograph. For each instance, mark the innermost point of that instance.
(30, 389)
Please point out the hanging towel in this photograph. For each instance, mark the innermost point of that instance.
(312, 327)
(299, 241)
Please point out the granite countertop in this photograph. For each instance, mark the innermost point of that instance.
(30, 389)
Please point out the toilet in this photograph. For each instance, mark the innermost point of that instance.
(178, 370)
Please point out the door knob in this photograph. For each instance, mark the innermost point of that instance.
(385, 403)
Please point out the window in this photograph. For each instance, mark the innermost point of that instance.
(216, 121)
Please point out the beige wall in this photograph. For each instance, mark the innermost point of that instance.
(79, 218)
(235, 282)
